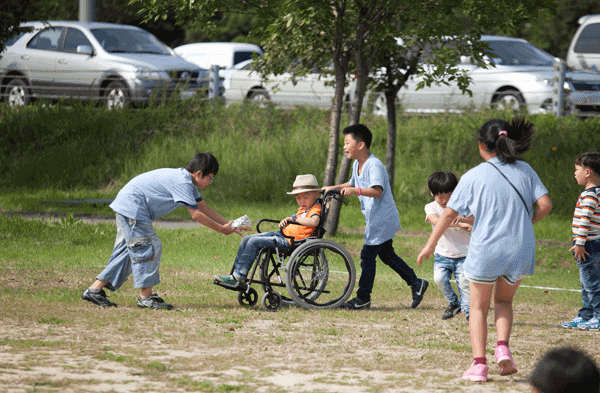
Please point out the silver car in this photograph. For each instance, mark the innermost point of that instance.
(521, 79)
(117, 64)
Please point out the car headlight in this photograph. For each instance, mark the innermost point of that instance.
(150, 74)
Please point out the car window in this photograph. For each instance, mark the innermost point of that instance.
(589, 39)
(118, 40)
(14, 39)
(47, 39)
(239, 56)
(519, 53)
(73, 39)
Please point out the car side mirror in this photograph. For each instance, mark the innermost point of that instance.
(84, 50)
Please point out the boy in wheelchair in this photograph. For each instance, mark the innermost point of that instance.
(306, 190)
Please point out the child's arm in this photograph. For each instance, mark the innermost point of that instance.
(304, 221)
(444, 222)
(372, 192)
(465, 223)
(337, 187)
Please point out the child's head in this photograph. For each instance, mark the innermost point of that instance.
(306, 190)
(441, 185)
(565, 370)
(205, 162)
(360, 133)
(589, 160)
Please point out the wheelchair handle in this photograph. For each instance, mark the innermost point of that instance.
(275, 222)
(334, 194)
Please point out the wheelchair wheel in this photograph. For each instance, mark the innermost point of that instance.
(248, 299)
(320, 274)
(271, 301)
(273, 277)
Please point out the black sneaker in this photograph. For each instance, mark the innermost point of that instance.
(154, 302)
(357, 304)
(451, 311)
(418, 291)
(98, 298)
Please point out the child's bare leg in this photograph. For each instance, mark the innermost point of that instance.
(503, 308)
(99, 284)
(481, 295)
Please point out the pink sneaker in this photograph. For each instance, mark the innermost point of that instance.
(505, 360)
(476, 373)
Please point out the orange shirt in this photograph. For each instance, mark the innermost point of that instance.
(300, 231)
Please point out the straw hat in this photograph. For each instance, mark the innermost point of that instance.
(305, 183)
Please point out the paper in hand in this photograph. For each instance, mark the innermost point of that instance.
(242, 221)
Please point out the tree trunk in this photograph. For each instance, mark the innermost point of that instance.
(390, 153)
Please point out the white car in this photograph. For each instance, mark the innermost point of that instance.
(243, 83)
(522, 78)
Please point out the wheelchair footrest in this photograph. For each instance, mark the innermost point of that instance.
(238, 286)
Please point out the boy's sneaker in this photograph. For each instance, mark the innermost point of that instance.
(592, 324)
(154, 302)
(476, 373)
(573, 323)
(98, 298)
(228, 279)
(505, 360)
(451, 311)
(357, 304)
(418, 291)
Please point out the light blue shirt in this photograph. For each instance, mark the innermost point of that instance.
(381, 214)
(502, 239)
(153, 194)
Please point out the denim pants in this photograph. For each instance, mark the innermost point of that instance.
(249, 248)
(137, 250)
(443, 269)
(386, 253)
(589, 275)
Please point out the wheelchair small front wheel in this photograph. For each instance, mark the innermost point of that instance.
(249, 298)
(271, 301)
(320, 274)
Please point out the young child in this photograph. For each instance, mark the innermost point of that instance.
(565, 370)
(137, 247)
(306, 190)
(451, 250)
(586, 241)
(370, 182)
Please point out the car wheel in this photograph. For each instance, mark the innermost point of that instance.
(116, 95)
(259, 97)
(508, 100)
(17, 93)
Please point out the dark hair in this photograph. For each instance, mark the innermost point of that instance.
(360, 133)
(441, 182)
(508, 147)
(591, 160)
(566, 370)
(205, 162)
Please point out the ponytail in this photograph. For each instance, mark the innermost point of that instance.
(507, 140)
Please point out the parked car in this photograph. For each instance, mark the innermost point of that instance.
(224, 54)
(242, 82)
(117, 64)
(584, 50)
(521, 79)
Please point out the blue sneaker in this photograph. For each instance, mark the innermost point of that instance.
(573, 323)
(592, 324)
(229, 279)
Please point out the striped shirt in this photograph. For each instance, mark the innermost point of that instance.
(586, 218)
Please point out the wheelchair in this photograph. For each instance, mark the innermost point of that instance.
(318, 274)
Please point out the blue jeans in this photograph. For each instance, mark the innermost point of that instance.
(137, 250)
(386, 253)
(443, 269)
(589, 275)
(249, 248)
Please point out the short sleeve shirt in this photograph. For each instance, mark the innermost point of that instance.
(381, 214)
(153, 194)
(300, 232)
(502, 239)
(454, 243)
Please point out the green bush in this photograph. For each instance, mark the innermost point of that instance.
(260, 150)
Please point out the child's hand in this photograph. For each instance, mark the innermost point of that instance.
(284, 222)
(347, 191)
(465, 226)
(425, 253)
(228, 229)
(579, 253)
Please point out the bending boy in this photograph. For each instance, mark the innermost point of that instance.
(137, 247)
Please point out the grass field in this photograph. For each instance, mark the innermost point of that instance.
(51, 340)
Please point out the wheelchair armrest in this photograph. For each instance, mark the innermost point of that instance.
(265, 220)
